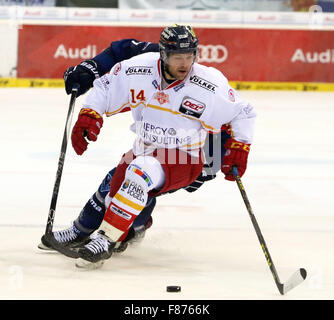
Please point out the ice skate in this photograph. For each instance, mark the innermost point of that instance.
(134, 237)
(120, 246)
(70, 237)
(93, 254)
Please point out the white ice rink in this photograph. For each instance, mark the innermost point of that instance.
(204, 241)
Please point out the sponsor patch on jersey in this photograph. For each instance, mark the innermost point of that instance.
(120, 212)
(159, 130)
(192, 107)
(205, 84)
(160, 135)
(136, 191)
(139, 70)
(179, 87)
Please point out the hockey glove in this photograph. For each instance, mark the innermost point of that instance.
(206, 175)
(236, 154)
(84, 74)
(88, 124)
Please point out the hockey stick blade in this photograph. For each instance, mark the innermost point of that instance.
(297, 278)
(66, 251)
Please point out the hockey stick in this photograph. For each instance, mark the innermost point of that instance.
(49, 225)
(299, 276)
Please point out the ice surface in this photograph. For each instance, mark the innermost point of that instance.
(204, 241)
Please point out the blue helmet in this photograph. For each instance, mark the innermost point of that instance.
(177, 39)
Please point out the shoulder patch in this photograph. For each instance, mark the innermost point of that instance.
(192, 107)
(105, 82)
(231, 95)
(117, 68)
(205, 84)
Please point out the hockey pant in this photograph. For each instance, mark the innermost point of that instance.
(138, 178)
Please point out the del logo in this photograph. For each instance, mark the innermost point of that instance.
(192, 107)
(161, 97)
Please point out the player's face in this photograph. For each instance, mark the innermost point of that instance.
(179, 64)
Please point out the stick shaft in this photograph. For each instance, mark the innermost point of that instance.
(258, 230)
(52, 210)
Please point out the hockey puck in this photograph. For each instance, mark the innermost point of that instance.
(173, 288)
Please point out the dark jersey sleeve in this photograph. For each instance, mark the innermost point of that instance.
(122, 50)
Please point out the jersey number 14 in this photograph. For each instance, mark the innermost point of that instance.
(139, 97)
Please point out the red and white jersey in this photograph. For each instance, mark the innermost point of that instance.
(178, 116)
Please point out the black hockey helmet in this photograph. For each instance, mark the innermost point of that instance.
(177, 39)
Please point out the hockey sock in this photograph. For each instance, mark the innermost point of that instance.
(91, 215)
(142, 175)
(145, 214)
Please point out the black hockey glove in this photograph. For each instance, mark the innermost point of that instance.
(84, 74)
(206, 175)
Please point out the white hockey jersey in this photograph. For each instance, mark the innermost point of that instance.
(178, 116)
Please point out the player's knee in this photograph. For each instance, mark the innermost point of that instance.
(142, 175)
(147, 169)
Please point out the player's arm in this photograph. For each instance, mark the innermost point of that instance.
(122, 50)
(238, 145)
(103, 99)
(88, 70)
(231, 110)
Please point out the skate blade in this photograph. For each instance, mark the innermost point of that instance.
(87, 265)
(43, 247)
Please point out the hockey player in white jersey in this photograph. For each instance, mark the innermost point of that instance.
(174, 102)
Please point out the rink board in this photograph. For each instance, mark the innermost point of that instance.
(239, 85)
(242, 54)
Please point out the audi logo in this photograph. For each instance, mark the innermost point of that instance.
(212, 53)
